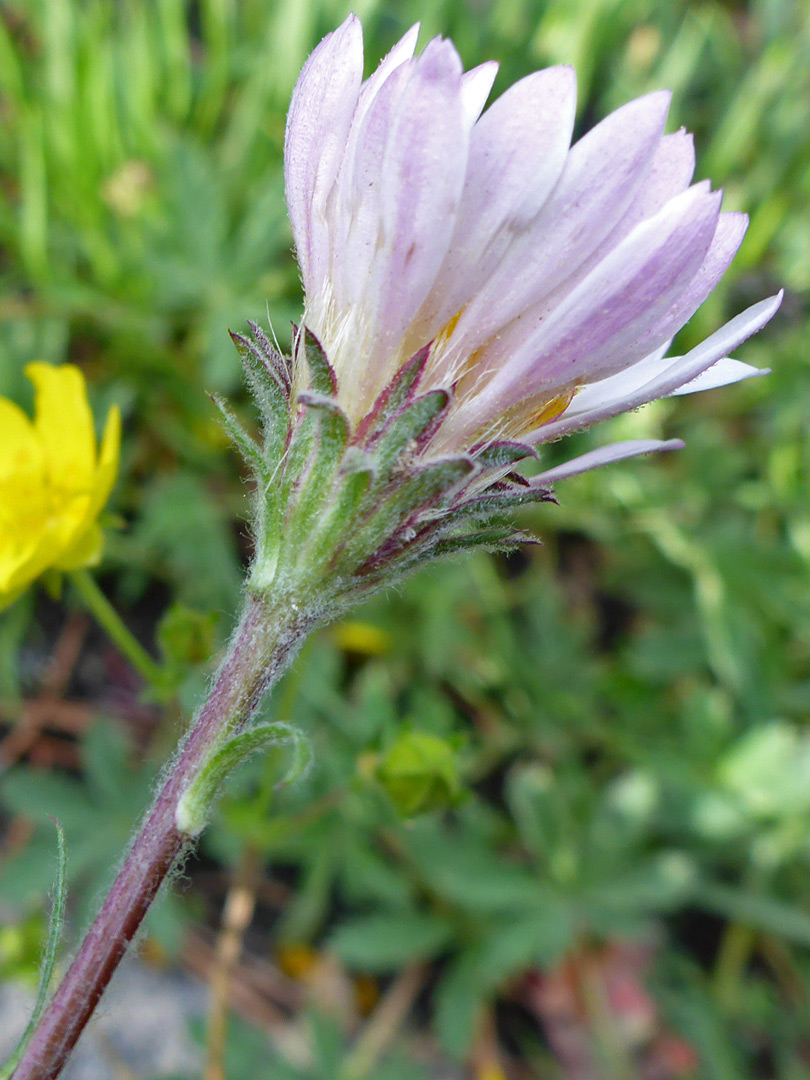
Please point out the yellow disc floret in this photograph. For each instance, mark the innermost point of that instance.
(54, 481)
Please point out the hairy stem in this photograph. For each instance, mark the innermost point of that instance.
(262, 645)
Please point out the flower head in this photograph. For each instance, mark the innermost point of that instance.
(53, 480)
(548, 279)
(475, 286)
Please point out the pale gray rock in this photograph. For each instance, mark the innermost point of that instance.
(143, 1023)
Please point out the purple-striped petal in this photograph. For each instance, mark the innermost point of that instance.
(605, 455)
(602, 174)
(476, 85)
(354, 207)
(728, 236)
(400, 54)
(670, 172)
(723, 373)
(421, 189)
(517, 152)
(318, 122)
(359, 193)
(674, 373)
(398, 202)
(612, 317)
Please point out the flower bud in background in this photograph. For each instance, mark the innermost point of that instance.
(419, 773)
(475, 286)
(54, 481)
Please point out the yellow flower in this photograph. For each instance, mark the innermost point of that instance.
(54, 481)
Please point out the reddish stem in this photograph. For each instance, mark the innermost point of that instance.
(260, 649)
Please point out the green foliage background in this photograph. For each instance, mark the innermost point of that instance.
(628, 703)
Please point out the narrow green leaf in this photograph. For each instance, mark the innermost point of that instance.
(385, 942)
(194, 807)
(321, 374)
(490, 503)
(300, 450)
(333, 524)
(333, 433)
(425, 484)
(402, 431)
(760, 911)
(498, 538)
(313, 479)
(271, 396)
(247, 447)
(537, 937)
(421, 488)
(499, 454)
(459, 1001)
(270, 354)
(56, 923)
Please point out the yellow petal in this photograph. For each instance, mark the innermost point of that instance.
(107, 462)
(64, 423)
(21, 451)
(23, 495)
(85, 546)
(51, 486)
(85, 551)
(24, 565)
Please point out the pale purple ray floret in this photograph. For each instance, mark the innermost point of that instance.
(548, 278)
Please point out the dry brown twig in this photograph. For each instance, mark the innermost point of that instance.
(47, 709)
(384, 1023)
(237, 914)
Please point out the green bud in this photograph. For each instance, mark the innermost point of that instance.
(419, 773)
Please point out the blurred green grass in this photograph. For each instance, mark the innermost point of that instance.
(631, 699)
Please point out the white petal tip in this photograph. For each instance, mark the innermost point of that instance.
(660, 100)
(606, 455)
(350, 27)
(407, 43)
(760, 314)
(723, 373)
(439, 59)
(769, 306)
